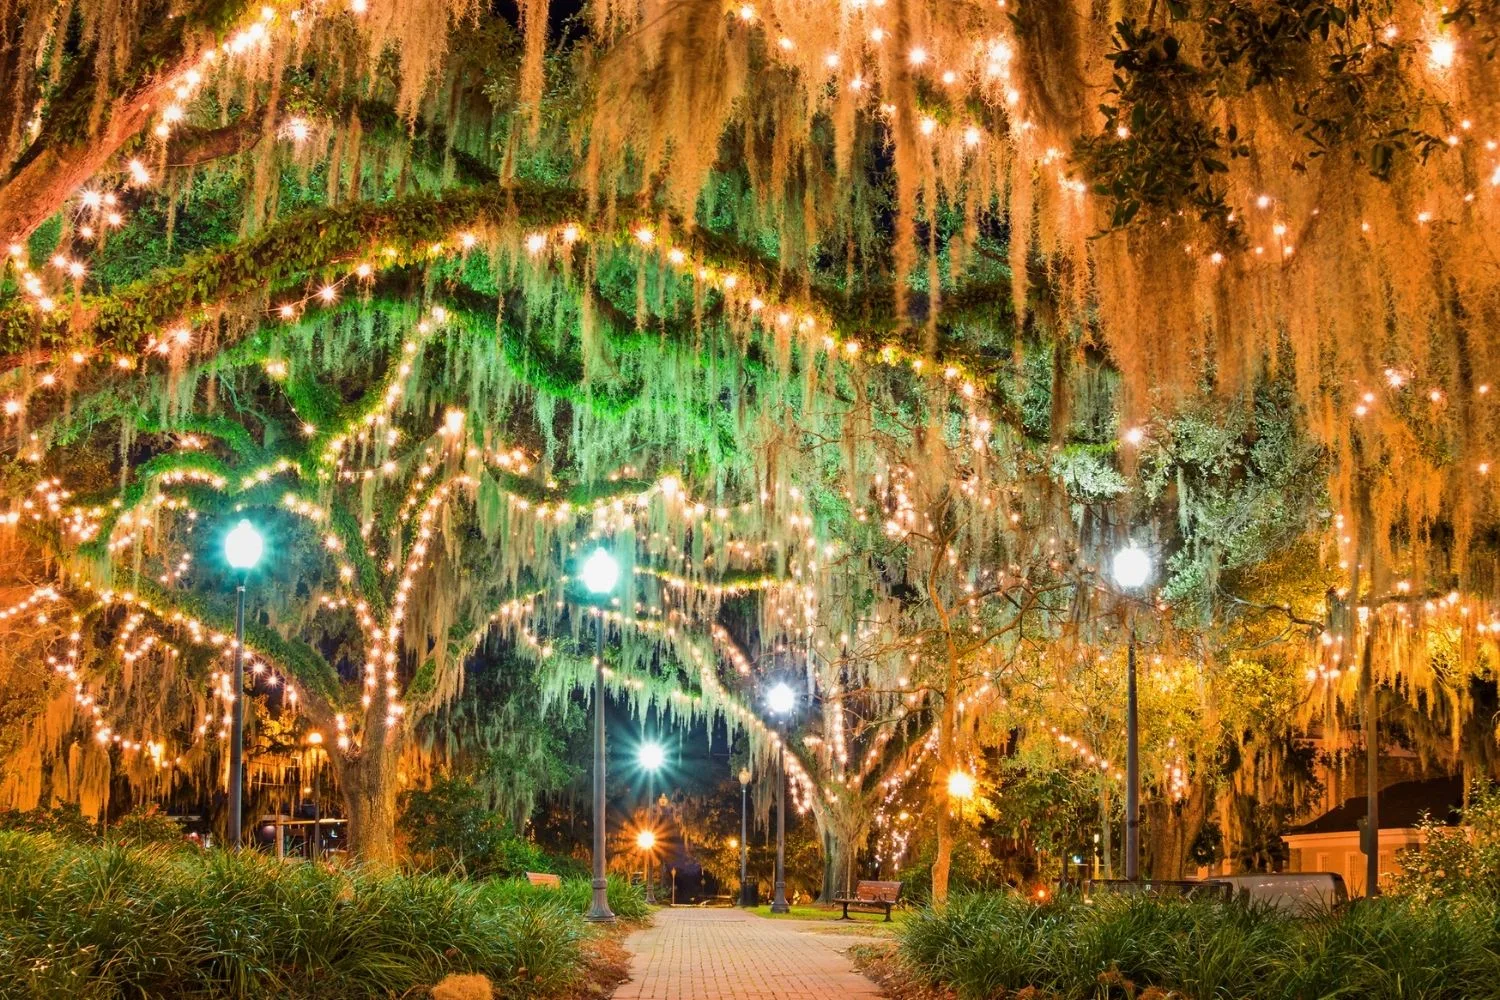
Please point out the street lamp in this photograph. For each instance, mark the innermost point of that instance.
(781, 699)
(242, 550)
(646, 841)
(600, 574)
(744, 835)
(1132, 568)
(960, 785)
(651, 756)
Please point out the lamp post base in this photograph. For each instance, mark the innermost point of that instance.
(779, 904)
(599, 912)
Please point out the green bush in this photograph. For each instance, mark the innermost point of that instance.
(98, 923)
(65, 820)
(972, 869)
(449, 828)
(990, 945)
(628, 901)
(1463, 861)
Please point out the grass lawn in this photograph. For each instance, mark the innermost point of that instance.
(898, 915)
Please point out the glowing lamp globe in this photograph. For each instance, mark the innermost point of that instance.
(645, 840)
(651, 756)
(600, 572)
(745, 776)
(243, 546)
(960, 785)
(1132, 567)
(781, 699)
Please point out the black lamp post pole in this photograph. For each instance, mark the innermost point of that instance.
(599, 911)
(237, 727)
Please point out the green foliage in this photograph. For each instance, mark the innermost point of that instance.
(65, 821)
(972, 869)
(1243, 481)
(626, 899)
(98, 923)
(145, 825)
(449, 825)
(1157, 151)
(1457, 862)
(983, 946)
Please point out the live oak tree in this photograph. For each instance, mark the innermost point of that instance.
(443, 301)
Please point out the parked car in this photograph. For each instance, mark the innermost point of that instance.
(1290, 892)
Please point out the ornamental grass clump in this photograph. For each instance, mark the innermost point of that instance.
(91, 922)
(992, 945)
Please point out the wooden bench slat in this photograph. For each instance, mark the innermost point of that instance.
(544, 879)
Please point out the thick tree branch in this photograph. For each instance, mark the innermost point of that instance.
(65, 155)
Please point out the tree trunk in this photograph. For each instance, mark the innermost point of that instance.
(947, 763)
(1174, 826)
(837, 857)
(944, 860)
(369, 783)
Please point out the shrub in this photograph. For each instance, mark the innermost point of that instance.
(991, 945)
(146, 825)
(972, 869)
(141, 922)
(65, 820)
(627, 900)
(449, 828)
(1461, 861)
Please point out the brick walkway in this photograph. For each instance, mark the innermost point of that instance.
(703, 954)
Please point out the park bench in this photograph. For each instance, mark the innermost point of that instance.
(544, 880)
(872, 896)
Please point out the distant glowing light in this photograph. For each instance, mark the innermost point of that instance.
(243, 546)
(1132, 567)
(1441, 52)
(781, 699)
(600, 572)
(651, 756)
(960, 785)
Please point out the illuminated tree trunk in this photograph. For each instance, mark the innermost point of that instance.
(838, 855)
(947, 763)
(947, 723)
(370, 788)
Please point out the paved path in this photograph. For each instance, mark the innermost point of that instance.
(717, 954)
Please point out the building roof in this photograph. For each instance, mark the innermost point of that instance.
(1402, 806)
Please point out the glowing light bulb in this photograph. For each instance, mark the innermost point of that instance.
(1132, 567)
(1441, 52)
(600, 572)
(651, 756)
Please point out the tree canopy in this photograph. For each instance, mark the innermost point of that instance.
(863, 334)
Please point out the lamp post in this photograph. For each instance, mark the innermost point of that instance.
(242, 550)
(744, 835)
(1132, 568)
(646, 841)
(600, 574)
(781, 699)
